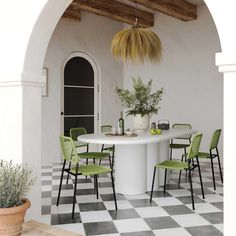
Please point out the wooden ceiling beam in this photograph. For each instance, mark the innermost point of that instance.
(116, 11)
(180, 9)
(72, 13)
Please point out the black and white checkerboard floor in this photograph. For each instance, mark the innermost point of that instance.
(166, 216)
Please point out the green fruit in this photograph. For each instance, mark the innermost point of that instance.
(152, 131)
(158, 131)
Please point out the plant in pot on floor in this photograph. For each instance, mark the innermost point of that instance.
(15, 183)
(140, 102)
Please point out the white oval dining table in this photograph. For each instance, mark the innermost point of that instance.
(135, 157)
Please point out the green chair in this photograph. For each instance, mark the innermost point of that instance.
(108, 129)
(70, 155)
(179, 165)
(213, 148)
(186, 138)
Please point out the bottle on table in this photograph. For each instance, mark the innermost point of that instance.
(121, 125)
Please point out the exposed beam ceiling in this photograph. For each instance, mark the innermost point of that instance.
(115, 10)
(130, 10)
(179, 9)
(72, 13)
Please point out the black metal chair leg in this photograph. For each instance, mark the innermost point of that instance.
(74, 197)
(153, 180)
(96, 177)
(165, 182)
(221, 175)
(170, 153)
(68, 173)
(212, 169)
(180, 172)
(191, 187)
(200, 176)
(185, 159)
(86, 163)
(59, 191)
(110, 161)
(94, 183)
(113, 188)
(100, 161)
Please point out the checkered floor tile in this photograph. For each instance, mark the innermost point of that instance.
(167, 215)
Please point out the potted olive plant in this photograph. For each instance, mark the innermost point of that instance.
(140, 102)
(15, 182)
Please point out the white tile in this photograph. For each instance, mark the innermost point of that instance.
(87, 198)
(46, 170)
(46, 187)
(203, 208)
(212, 198)
(46, 219)
(76, 228)
(121, 204)
(105, 190)
(131, 225)
(104, 179)
(85, 186)
(187, 185)
(219, 190)
(167, 201)
(147, 212)
(63, 208)
(179, 192)
(107, 235)
(46, 201)
(43, 178)
(172, 231)
(189, 220)
(220, 227)
(139, 196)
(95, 216)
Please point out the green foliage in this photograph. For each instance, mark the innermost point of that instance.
(140, 100)
(15, 183)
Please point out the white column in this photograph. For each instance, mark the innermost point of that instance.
(131, 169)
(20, 135)
(227, 65)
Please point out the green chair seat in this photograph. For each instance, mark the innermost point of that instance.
(91, 170)
(204, 155)
(178, 145)
(93, 155)
(174, 165)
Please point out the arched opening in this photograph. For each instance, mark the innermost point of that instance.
(80, 101)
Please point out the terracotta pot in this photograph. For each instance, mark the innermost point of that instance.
(11, 219)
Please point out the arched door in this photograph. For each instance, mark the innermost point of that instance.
(80, 94)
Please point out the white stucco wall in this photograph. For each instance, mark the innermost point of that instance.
(92, 35)
(193, 86)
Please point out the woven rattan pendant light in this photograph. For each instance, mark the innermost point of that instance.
(136, 45)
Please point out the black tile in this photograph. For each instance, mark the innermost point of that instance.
(188, 199)
(46, 166)
(210, 184)
(219, 205)
(85, 191)
(46, 174)
(57, 219)
(82, 181)
(110, 197)
(92, 206)
(161, 223)
(198, 191)
(123, 214)
(177, 210)
(142, 203)
(46, 210)
(57, 169)
(46, 182)
(141, 233)
(46, 194)
(55, 177)
(214, 218)
(63, 200)
(100, 228)
(159, 194)
(105, 185)
(208, 230)
(63, 187)
(172, 187)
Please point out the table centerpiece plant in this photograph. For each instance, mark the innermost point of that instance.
(140, 102)
(15, 183)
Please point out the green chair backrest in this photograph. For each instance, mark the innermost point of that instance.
(183, 126)
(194, 147)
(75, 132)
(68, 149)
(215, 139)
(106, 128)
